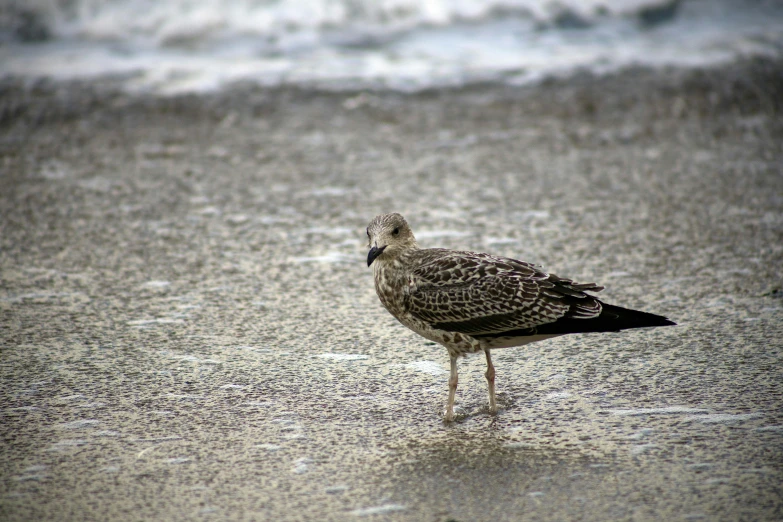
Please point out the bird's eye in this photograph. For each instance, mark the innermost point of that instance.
(395, 231)
(368, 232)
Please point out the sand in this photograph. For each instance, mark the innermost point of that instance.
(189, 329)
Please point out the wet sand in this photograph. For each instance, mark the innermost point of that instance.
(189, 329)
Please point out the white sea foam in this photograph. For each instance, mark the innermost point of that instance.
(725, 418)
(343, 356)
(378, 510)
(641, 449)
(80, 424)
(159, 439)
(148, 322)
(430, 367)
(643, 433)
(330, 191)
(490, 240)
(177, 460)
(301, 466)
(669, 410)
(156, 284)
(174, 46)
(329, 257)
(66, 444)
(333, 490)
(27, 478)
(428, 234)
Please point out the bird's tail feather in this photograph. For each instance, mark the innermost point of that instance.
(612, 319)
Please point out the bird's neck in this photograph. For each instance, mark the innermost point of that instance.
(389, 274)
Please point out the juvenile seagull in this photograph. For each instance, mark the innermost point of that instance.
(471, 302)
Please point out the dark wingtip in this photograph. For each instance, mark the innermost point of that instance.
(638, 319)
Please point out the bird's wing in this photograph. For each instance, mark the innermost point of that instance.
(480, 294)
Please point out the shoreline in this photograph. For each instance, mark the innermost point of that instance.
(744, 85)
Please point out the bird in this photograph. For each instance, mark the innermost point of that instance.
(473, 302)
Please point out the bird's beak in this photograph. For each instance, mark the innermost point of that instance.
(374, 252)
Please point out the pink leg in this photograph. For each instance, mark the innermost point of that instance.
(452, 390)
(490, 375)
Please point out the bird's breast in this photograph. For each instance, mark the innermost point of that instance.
(389, 285)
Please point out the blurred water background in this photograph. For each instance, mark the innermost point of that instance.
(176, 46)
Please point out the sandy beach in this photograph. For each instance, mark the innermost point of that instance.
(189, 330)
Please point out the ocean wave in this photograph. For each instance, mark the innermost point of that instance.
(285, 24)
(176, 46)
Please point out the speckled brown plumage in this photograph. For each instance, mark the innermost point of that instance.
(471, 302)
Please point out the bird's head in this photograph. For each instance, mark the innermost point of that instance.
(388, 236)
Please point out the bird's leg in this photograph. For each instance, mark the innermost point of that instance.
(490, 375)
(452, 389)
